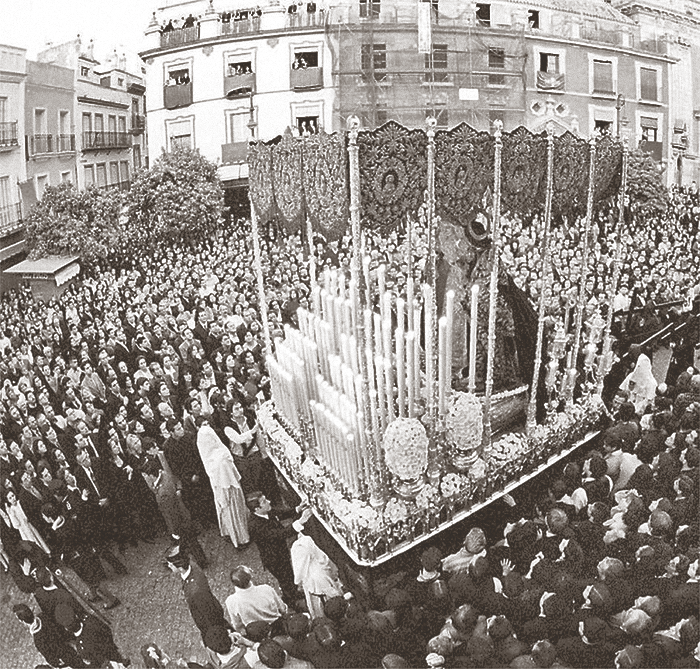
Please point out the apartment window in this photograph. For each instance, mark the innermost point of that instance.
(650, 128)
(64, 123)
(66, 177)
(135, 105)
(84, 71)
(4, 193)
(549, 62)
(112, 124)
(647, 84)
(122, 124)
(239, 66)
(124, 171)
(3, 110)
(87, 122)
(42, 181)
(533, 18)
(305, 59)
(436, 63)
(137, 156)
(181, 141)
(483, 14)
(114, 172)
(434, 4)
(40, 122)
(603, 127)
(374, 62)
(603, 77)
(120, 82)
(89, 175)
(105, 81)
(101, 174)
(239, 131)
(178, 76)
(497, 60)
(307, 125)
(369, 9)
(99, 123)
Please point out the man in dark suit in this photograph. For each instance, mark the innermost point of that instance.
(206, 610)
(49, 639)
(270, 536)
(48, 595)
(31, 499)
(91, 638)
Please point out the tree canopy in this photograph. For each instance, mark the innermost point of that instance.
(646, 190)
(179, 198)
(67, 221)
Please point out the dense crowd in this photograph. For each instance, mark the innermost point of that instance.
(659, 259)
(128, 411)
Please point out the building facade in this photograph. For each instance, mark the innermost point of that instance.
(109, 119)
(676, 25)
(49, 114)
(221, 72)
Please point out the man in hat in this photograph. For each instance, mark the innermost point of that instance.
(91, 638)
(205, 609)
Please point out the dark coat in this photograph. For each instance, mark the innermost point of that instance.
(50, 640)
(206, 609)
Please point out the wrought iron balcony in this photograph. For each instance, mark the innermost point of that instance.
(39, 144)
(239, 85)
(10, 218)
(66, 143)
(97, 140)
(138, 123)
(241, 27)
(307, 78)
(179, 36)
(176, 96)
(8, 134)
(235, 152)
(120, 186)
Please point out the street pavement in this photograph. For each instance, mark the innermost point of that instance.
(153, 608)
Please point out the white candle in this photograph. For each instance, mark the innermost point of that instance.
(381, 281)
(472, 336)
(416, 347)
(400, 372)
(409, 302)
(354, 302)
(381, 395)
(429, 368)
(377, 334)
(316, 298)
(375, 416)
(400, 317)
(411, 373)
(449, 314)
(385, 306)
(442, 331)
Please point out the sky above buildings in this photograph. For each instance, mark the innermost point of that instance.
(112, 24)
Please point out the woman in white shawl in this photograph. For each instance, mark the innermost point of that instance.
(640, 384)
(313, 571)
(225, 484)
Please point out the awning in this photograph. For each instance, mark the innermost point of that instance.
(649, 122)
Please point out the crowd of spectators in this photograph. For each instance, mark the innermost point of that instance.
(115, 394)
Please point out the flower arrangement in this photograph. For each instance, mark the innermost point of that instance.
(428, 499)
(451, 485)
(465, 421)
(395, 511)
(406, 448)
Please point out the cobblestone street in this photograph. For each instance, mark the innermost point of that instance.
(153, 607)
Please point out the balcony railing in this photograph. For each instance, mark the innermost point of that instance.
(654, 149)
(177, 96)
(66, 143)
(96, 140)
(306, 19)
(119, 185)
(138, 123)
(39, 144)
(241, 27)
(599, 35)
(239, 84)
(235, 152)
(10, 218)
(179, 36)
(8, 134)
(307, 78)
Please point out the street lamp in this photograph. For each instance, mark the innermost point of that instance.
(251, 122)
(619, 104)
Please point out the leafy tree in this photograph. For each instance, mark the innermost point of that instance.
(67, 221)
(646, 191)
(179, 198)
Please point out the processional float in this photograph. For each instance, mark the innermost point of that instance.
(370, 416)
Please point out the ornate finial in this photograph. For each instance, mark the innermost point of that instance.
(550, 128)
(210, 9)
(497, 129)
(353, 123)
(154, 21)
